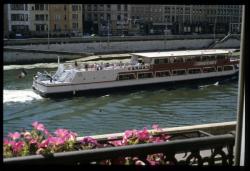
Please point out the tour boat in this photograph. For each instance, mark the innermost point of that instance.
(143, 69)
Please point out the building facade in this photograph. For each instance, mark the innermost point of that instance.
(65, 19)
(120, 19)
(106, 18)
(39, 19)
(18, 18)
(162, 19)
(5, 20)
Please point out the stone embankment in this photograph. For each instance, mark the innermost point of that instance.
(44, 53)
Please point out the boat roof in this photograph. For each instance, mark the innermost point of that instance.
(183, 53)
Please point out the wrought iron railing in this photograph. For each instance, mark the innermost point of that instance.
(190, 148)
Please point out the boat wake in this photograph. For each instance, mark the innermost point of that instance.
(32, 66)
(20, 96)
(209, 85)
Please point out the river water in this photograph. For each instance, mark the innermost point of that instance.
(112, 113)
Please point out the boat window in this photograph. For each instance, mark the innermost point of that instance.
(219, 69)
(145, 75)
(179, 72)
(204, 58)
(127, 76)
(209, 69)
(221, 57)
(157, 61)
(194, 71)
(162, 74)
(188, 59)
(227, 68)
(212, 58)
(178, 60)
(161, 61)
(197, 58)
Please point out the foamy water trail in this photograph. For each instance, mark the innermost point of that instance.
(20, 96)
(32, 66)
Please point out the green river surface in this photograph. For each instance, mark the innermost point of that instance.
(111, 113)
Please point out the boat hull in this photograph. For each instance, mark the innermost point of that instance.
(149, 86)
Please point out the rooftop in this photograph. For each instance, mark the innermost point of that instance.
(183, 53)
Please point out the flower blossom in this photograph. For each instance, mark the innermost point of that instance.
(87, 140)
(55, 141)
(143, 135)
(17, 146)
(38, 126)
(14, 135)
(65, 134)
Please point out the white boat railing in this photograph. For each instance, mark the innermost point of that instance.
(113, 66)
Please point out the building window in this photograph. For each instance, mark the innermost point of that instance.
(74, 7)
(17, 6)
(75, 16)
(102, 16)
(118, 17)
(108, 7)
(89, 16)
(19, 28)
(75, 26)
(95, 7)
(19, 17)
(125, 7)
(95, 17)
(108, 16)
(119, 7)
(57, 17)
(89, 7)
(125, 16)
(65, 7)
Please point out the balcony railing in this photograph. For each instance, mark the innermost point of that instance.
(190, 148)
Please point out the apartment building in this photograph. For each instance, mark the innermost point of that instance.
(17, 18)
(65, 19)
(103, 18)
(5, 20)
(186, 19)
(39, 19)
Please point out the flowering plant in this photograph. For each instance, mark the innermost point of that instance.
(40, 141)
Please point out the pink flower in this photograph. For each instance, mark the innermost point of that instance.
(143, 135)
(46, 132)
(116, 143)
(38, 126)
(6, 141)
(14, 136)
(129, 133)
(87, 140)
(61, 132)
(44, 144)
(33, 141)
(155, 126)
(65, 134)
(17, 146)
(56, 141)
